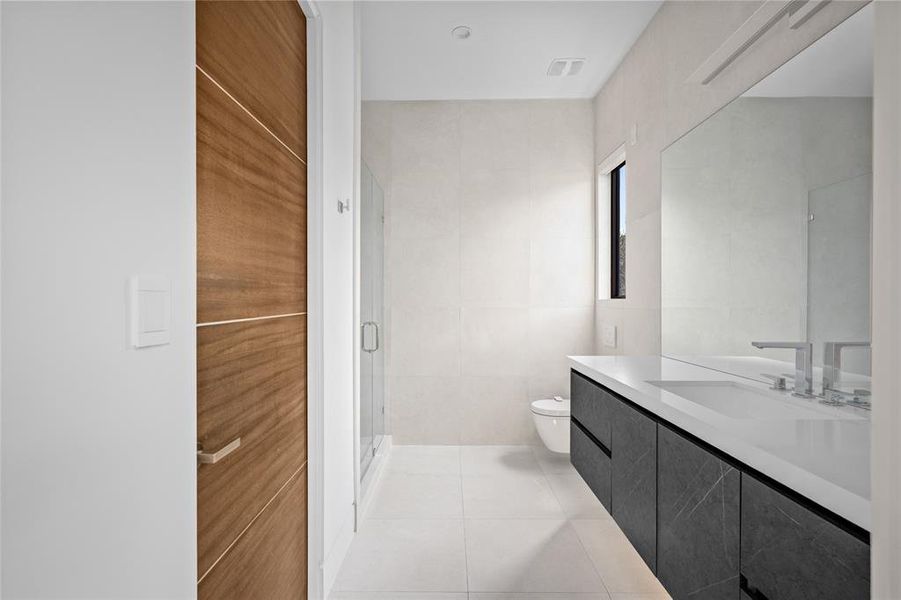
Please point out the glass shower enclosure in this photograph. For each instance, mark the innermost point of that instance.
(372, 331)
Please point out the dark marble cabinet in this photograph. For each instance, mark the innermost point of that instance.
(788, 552)
(708, 529)
(592, 463)
(634, 489)
(591, 405)
(698, 499)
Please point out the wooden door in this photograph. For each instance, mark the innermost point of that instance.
(251, 300)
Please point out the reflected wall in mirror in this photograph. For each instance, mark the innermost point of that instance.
(766, 214)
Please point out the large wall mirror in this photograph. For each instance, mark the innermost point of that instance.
(766, 217)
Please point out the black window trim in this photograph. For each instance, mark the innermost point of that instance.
(615, 292)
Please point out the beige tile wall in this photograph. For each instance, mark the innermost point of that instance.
(648, 91)
(489, 261)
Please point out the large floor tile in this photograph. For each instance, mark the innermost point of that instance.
(398, 596)
(413, 495)
(527, 555)
(658, 596)
(552, 462)
(575, 497)
(616, 560)
(493, 460)
(406, 555)
(523, 495)
(424, 460)
(538, 596)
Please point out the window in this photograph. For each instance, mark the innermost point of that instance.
(618, 231)
(610, 228)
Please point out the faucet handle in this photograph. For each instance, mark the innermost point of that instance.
(778, 381)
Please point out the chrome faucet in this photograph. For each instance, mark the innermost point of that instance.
(832, 362)
(803, 364)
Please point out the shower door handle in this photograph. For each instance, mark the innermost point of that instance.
(363, 337)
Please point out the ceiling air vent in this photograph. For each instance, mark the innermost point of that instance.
(565, 67)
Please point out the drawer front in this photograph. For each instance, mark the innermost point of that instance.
(698, 499)
(634, 490)
(591, 462)
(790, 553)
(591, 406)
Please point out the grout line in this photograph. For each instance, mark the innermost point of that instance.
(569, 522)
(252, 521)
(249, 319)
(463, 513)
(591, 560)
(250, 114)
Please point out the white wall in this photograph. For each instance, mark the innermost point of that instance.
(649, 91)
(489, 261)
(338, 101)
(98, 440)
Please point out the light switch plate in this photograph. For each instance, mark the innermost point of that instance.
(150, 310)
(608, 335)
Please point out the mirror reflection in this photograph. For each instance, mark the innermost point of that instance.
(766, 218)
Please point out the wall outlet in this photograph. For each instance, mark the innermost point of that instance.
(608, 335)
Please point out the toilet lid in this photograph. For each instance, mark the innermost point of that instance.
(551, 408)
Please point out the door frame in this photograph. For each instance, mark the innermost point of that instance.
(885, 278)
(315, 303)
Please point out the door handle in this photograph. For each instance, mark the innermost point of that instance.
(363, 336)
(210, 458)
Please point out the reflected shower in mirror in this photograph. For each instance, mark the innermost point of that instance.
(766, 218)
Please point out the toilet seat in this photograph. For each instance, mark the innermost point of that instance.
(551, 408)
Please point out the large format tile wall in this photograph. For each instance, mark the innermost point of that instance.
(648, 95)
(489, 261)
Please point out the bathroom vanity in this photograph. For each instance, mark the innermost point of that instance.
(725, 487)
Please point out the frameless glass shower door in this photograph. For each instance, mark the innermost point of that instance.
(838, 268)
(372, 331)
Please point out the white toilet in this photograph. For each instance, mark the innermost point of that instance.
(552, 422)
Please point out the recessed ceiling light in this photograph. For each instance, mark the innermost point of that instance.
(461, 32)
(563, 67)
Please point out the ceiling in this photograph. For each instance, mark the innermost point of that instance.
(839, 64)
(409, 53)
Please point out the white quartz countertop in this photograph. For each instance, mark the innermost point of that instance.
(826, 461)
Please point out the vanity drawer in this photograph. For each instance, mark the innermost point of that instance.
(591, 406)
(788, 552)
(591, 461)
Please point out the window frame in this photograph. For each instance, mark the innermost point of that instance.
(603, 211)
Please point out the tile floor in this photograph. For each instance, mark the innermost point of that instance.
(489, 523)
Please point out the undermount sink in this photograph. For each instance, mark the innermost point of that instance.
(739, 401)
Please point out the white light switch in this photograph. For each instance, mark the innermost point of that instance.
(150, 310)
(608, 335)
